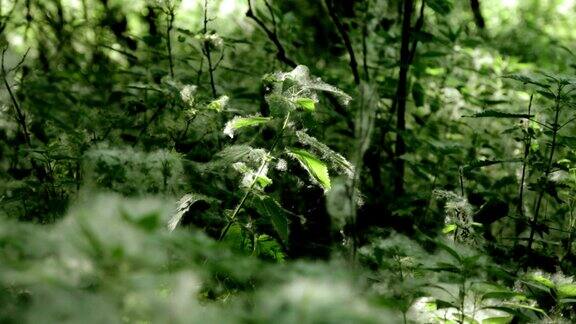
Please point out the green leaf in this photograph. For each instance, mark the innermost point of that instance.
(484, 163)
(527, 79)
(315, 168)
(511, 311)
(268, 248)
(450, 250)
(240, 122)
(306, 104)
(532, 308)
(498, 320)
(263, 181)
(441, 304)
(500, 295)
(498, 114)
(566, 290)
(268, 207)
(442, 7)
(219, 104)
(448, 228)
(567, 301)
(184, 205)
(541, 280)
(418, 94)
(330, 156)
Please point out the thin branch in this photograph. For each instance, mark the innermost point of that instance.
(19, 115)
(568, 122)
(364, 42)
(220, 59)
(548, 169)
(527, 144)
(206, 50)
(417, 28)
(271, 11)
(342, 30)
(272, 35)
(401, 96)
(170, 25)
(478, 18)
(541, 124)
(125, 53)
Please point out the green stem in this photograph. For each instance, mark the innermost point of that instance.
(527, 144)
(232, 218)
(555, 128)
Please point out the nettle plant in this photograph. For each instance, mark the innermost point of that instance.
(546, 169)
(291, 98)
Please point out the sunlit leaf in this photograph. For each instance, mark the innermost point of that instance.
(306, 104)
(566, 290)
(241, 122)
(449, 228)
(313, 165)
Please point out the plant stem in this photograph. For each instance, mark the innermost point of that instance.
(364, 42)
(207, 51)
(19, 115)
(462, 296)
(401, 95)
(169, 27)
(527, 144)
(272, 35)
(232, 218)
(342, 30)
(478, 18)
(555, 128)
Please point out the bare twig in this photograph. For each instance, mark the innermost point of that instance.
(401, 96)
(272, 35)
(19, 114)
(548, 166)
(207, 51)
(527, 144)
(343, 31)
(364, 42)
(541, 124)
(170, 16)
(478, 18)
(417, 28)
(567, 122)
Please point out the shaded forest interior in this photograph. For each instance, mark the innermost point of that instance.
(257, 161)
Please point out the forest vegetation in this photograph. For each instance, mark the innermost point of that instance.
(288, 161)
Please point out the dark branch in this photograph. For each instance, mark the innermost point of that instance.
(401, 96)
(342, 30)
(478, 18)
(272, 35)
(19, 115)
